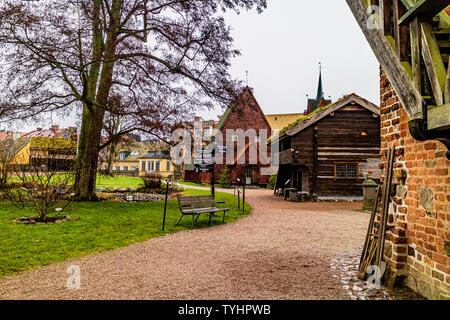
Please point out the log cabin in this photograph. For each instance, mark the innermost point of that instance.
(328, 153)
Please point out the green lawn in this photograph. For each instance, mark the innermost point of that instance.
(105, 181)
(195, 184)
(97, 226)
(118, 181)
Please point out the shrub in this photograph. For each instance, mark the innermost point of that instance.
(225, 177)
(152, 181)
(272, 181)
(44, 187)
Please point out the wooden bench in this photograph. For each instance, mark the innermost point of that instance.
(196, 205)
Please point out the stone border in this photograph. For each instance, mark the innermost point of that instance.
(345, 267)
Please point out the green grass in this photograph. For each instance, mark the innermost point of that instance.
(104, 181)
(205, 185)
(195, 184)
(118, 181)
(97, 226)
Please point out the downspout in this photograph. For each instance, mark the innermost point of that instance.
(418, 128)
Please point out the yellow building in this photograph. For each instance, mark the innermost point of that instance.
(158, 162)
(129, 157)
(59, 153)
(279, 121)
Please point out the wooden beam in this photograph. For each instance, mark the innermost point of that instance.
(447, 86)
(433, 62)
(425, 9)
(406, 90)
(414, 31)
(385, 12)
(400, 32)
(438, 117)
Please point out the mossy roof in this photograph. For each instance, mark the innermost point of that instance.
(14, 146)
(53, 143)
(313, 114)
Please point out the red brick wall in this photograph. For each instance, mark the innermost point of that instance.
(418, 241)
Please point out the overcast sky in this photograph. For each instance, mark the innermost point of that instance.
(282, 47)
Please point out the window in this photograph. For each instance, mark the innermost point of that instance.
(157, 166)
(168, 166)
(117, 168)
(205, 133)
(286, 144)
(125, 168)
(151, 166)
(133, 168)
(346, 170)
(143, 166)
(122, 155)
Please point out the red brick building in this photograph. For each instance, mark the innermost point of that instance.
(410, 44)
(242, 115)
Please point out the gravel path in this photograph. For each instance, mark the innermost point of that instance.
(281, 251)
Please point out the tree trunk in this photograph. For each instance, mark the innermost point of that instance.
(99, 86)
(87, 160)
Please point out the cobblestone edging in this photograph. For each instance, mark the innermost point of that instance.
(345, 267)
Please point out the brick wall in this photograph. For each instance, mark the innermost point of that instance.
(418, 237)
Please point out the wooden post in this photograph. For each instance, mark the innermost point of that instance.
(414, 31)
(243, 197)
(239, 199)
(385, 209)
(386, 18)
(400, 32)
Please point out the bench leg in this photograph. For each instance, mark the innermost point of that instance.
(210, 216)
(180, 219)
(193, 220)
(223, 219)
(198, 216)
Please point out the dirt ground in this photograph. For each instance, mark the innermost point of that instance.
(281, 251)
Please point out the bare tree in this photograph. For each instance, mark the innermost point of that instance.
(163, 58)
(45, 181)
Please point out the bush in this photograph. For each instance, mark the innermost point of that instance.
(225, 177)
(272, 181)
(152, 181)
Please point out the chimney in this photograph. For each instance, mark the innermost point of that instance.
(196, 118)
(39, 129)
(54, 128)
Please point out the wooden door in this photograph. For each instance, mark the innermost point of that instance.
(254, 175)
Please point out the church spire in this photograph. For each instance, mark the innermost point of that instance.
(320, 88)
(320, 100)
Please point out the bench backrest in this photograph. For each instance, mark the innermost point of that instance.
(196, 202)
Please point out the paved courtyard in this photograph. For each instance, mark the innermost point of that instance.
(282, 250)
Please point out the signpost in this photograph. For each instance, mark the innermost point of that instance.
(243, 195)
(165, 202)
